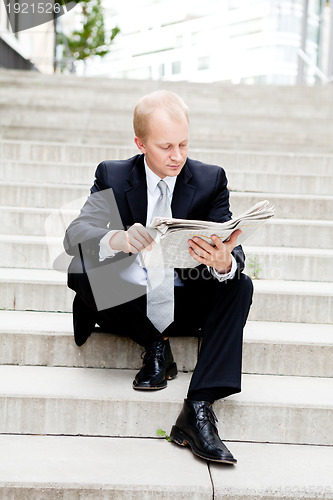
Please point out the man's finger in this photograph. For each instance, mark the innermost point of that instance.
(141, 235)
(230, 243)
(143, 231)
(233, 238)
(200, 246)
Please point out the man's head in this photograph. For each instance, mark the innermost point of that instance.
(161, 127)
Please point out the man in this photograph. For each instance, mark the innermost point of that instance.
(113, 290)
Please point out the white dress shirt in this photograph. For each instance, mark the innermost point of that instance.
(135, 273)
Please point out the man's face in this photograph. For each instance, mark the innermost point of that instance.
(166, 145)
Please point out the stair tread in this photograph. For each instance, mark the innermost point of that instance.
(264, 249)
(153, 467)
(260, 286)
(44, 323)
(234, 193)
(116, 385)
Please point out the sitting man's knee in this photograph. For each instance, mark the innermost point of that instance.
(246, 284)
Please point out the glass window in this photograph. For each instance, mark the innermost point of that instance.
(176, 67)
(203, 63)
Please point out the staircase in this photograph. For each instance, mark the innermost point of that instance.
(70, 424)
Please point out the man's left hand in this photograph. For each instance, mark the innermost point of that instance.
(217, 256)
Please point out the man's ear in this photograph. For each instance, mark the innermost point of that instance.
(140, 144)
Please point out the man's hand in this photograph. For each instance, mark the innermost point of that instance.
(218, 256)
(135, 239)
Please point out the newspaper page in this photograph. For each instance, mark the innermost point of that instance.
(171, 235)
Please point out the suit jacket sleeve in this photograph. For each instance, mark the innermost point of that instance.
(94, 220)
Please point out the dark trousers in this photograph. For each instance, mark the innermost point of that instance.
(219, 309)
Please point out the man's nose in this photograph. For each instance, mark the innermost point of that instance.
(176, 154)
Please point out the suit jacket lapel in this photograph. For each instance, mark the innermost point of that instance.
(183, 194)
(136, 194)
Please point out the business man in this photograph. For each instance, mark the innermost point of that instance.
(114, 291)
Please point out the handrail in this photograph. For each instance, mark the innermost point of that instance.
(317, 71)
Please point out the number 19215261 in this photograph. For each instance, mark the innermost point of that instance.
(33, 8)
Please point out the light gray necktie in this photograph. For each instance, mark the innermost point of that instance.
(160, 295)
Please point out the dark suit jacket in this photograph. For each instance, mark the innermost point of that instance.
(118, 199)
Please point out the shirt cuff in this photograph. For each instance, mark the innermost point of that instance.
(105, 251)
(227, 276)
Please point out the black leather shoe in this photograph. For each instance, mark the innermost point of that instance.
(196, 427)
(158, 366)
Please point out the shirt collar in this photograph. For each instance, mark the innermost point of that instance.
(153, 180)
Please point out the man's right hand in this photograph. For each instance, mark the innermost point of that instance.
(135, 239)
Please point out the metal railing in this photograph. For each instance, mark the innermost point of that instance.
(316, 71)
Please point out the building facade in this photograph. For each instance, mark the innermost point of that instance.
(27, 49)
(238, 41)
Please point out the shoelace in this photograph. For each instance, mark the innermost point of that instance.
(206, 415)
(156, 350)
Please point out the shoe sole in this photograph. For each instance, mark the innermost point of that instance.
(170, 374)
(183, 440)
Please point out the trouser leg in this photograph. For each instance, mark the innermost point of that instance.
(220, 359)
(130, 320)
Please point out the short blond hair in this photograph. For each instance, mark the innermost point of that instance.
(163, 99)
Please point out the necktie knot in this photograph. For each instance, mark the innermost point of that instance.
(163, 187)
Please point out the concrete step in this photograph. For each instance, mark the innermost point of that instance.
(255, 181)
(281, 182)
(65, 173)
(287, 206)
(289, 301)
(30, 221)
(219, 95)
(99, 402)
(303, 264)
(34, 466)
(46, 339)
(117, 469)
(36, 290)
(296, 233)
(266, 140)
(26, 104)
(60, 152)
(79, 115)
(293, 301)
(295, 98)
(22, 194)
(39, 252)
(54, 467)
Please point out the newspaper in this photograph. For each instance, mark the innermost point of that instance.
(171, 235)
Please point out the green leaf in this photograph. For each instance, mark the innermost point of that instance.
(160, 432)
(92, 39)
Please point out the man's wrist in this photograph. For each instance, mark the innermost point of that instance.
(105, 250)
(224, 270)
(225, 276)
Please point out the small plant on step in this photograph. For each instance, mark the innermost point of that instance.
(254, 268)
(162, 433)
